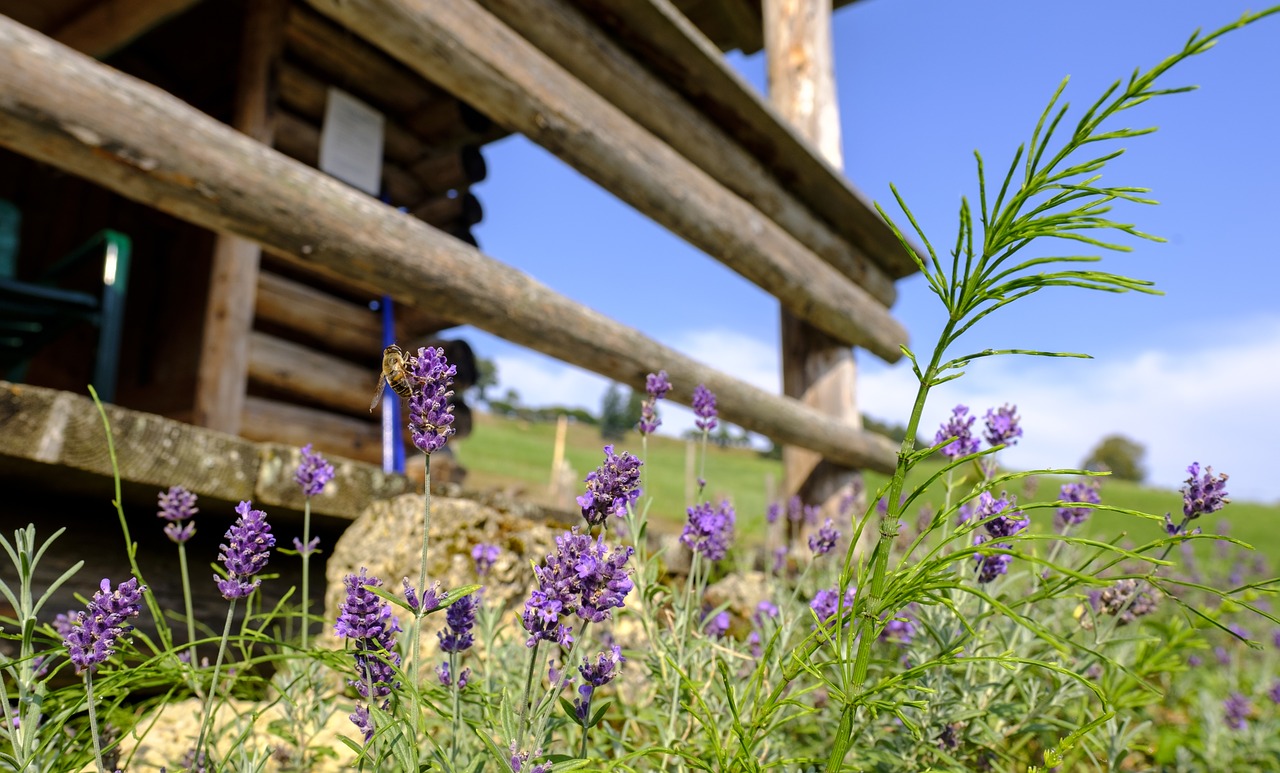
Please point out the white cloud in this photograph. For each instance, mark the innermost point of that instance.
(1217, 401)
(1214, 402)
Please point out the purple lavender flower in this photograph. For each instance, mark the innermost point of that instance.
(459, 619)
(177, 506)
(366, 620)
(900, 628)
(595, 675)
(657, 386)
(305, 550)
(825, 540)
(248, 546)
(718, 625)
(611, 487)
(1222, 655)
(581, 577)
(446, 679)
(960, 427)
(795, 508)
(704, 407)
(1235, 711)
(96, 631)
(765, 610)
(363, 722)
(773, 512)
(826, 602)
(430, 600)
(709, 530)
(313, 472)
(1274, 692)
(991, 565)
(1002, 426)
(1203, 494)
(430, 415)
(1076, 491)
(779, 559)
(1275, 639)
(1005, 519)
(484, 555)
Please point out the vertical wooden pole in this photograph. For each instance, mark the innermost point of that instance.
(557, 456)
(223, 375)
(815, 368)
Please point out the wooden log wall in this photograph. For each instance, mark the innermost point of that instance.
(73, 113)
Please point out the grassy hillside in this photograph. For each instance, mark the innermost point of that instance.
(514, 454)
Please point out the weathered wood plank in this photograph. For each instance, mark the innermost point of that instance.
(581, 47)
(62, 433)
(468, 51)
(79, 116)
(110, 25)
(674, 47)
(222, 375)
(816, 369)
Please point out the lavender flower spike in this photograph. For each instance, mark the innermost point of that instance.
(430, 415)
(248, 546)
(484, 555)
(1078, 491)
(1003, 426)
(96, 631)
(708, 530)
(611, 487)
(178, 506)
(657, 386)
(313, 472)
(596, 675)
(825, 540)
(704, 406)
(459, 618)
(366, 620)
(960, 427)
(1235, 711)
(1203, 494)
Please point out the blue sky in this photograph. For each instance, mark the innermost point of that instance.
(1193, 375)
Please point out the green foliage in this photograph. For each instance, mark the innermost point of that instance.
(1119, 455)
(619, 412)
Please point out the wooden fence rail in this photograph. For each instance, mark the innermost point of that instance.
(69, 111)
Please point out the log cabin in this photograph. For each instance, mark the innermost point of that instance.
(205, 141)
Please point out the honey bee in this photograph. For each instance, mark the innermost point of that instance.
(395, 374)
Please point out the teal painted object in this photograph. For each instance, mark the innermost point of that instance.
(34, 314)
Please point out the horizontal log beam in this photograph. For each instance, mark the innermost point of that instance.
(442, 211)
(312, 376)
(275, 421)
(472, 54)
(74, 114)
(317, 316)
(683, 56)
(581, 47)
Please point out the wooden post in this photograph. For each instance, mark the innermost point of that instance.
(816, 369)
(223, 375)
(557, 455)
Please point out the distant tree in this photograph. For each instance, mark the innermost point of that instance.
(634, 407)
(1119, 454)
(613, 414)
(486, 377)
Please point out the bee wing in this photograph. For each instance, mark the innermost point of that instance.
(377, 396)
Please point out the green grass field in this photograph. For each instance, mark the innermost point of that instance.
(514, 454)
